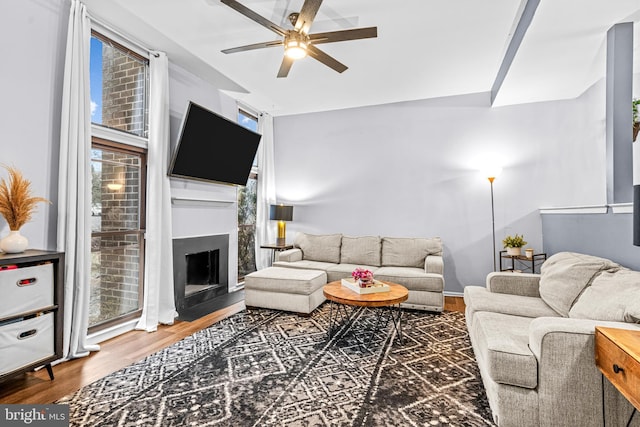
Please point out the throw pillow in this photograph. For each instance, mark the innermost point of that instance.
(324, 248)
(409, 252)
(613, 296)
(564, 276)
(363, 250)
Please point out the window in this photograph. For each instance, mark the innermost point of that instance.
(247, 201)
(119, 80)
(119, 115)
(117, 232)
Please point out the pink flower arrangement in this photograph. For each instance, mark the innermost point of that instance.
(362, 276)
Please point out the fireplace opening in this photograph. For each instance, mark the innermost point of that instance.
(202, 272)
(201, 275)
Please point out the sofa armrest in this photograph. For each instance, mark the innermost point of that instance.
(524, 284)
(290, 255)
(568, 377)
(542, 328)
(434, 264)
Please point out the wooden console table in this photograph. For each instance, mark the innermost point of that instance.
(617, 353)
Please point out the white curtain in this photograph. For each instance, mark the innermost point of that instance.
(265, 231)
(74, 185)
(159, 306)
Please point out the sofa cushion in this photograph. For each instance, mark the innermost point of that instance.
(412, 278)
(324, 248)
(363, 250)
(305, 265)
(409, 252)
(343, 271)
(479, 298)
(286, 280)
(565, 275)
(613, 296)
(502, 345)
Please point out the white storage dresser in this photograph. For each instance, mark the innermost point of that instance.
(31, 312)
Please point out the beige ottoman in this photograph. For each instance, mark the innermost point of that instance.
(288, 289)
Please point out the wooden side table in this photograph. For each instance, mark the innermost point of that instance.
(617, 353)
(276, 247)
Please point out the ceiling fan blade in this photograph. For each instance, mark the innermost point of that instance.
(254, 16)
(339, 36)
(253, 46)
(307, 15)
(326, 59)
(285, 66)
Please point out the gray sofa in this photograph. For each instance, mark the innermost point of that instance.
(415, 263)
(533, 338)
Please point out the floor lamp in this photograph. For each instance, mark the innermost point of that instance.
(491, 175)
(493, 224)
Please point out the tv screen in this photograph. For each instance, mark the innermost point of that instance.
(213, 148)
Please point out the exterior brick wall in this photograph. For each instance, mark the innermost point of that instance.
(120, 255)
(123, 92)
(116, 278)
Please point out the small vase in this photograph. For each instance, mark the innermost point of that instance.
(363, 283)
(514, 251)
(14, 243)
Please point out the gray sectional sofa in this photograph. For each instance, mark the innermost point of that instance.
(415, 263)
(533, 338)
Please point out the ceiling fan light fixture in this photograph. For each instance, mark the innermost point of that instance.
(295, 45)
(296, 50)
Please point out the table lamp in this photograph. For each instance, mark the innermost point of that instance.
(281, 213)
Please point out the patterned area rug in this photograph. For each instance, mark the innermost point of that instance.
(264, 368)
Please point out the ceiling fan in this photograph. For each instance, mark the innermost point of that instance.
(298, 43)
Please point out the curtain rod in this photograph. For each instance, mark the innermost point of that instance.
(117, 33)
(249, 109)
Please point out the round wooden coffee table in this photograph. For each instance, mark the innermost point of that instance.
(343, 296)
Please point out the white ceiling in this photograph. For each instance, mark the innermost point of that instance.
(424, 49)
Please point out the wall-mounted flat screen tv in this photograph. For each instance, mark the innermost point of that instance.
(213, 148)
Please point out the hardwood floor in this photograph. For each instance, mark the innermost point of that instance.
(116, 353)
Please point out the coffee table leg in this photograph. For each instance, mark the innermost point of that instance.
(397, 321)
(345, 316)
(331, 321)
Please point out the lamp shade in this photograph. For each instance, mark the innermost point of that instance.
(281, 212)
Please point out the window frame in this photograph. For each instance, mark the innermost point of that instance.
(111, 39)
(100, 143)
(252, 175)
(127, 142)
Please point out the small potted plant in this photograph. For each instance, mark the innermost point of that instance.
(514, 244)
(17, 205)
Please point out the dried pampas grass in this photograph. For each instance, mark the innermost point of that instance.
(16, 203)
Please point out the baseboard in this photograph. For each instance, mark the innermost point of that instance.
(453, 294)
(114, 331)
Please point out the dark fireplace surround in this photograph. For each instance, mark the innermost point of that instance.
(200, 274)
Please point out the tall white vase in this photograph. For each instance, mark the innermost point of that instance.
(14, 243)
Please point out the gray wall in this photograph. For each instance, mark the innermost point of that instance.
(411, 169)
(606, 235)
